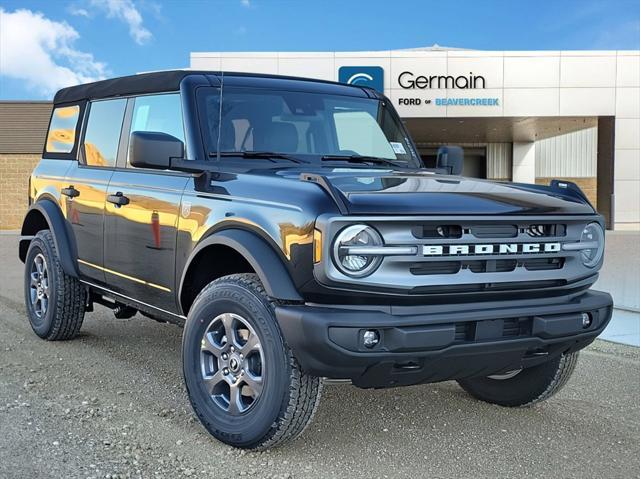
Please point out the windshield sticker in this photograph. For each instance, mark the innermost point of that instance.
(398, 148)
(365, 180)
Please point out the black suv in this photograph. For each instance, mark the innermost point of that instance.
(292, 228)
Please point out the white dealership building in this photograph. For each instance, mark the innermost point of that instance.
(525, 116)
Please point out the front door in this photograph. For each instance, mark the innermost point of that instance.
(86, 184)
(141, 215)
(140, 236)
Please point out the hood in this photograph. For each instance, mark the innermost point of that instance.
(423, 193)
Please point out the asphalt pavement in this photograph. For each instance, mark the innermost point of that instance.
(112, 404)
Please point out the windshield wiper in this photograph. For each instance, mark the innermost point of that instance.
(360, 159)
(258, 155)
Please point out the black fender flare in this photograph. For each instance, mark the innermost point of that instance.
(61, 231)
(261, 256)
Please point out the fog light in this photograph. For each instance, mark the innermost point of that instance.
(371, 338)
(586, 320)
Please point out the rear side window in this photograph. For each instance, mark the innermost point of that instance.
(103, 132)
(161, 113)
(62, 130)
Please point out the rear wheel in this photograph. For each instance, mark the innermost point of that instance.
(525, 387)
(244, 384)
(55, 301)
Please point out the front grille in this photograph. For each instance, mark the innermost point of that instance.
(546, 230)
(494, 231)
(471, 254)
(477, 266)
(543, 264)
(482, 231)
(437, 231)
(505, 259)
(492, 265)
(436, 267)
(486, 266)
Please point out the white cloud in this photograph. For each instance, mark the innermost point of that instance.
(41, 52)
(126, 11)
(78, 12)
(245, 3)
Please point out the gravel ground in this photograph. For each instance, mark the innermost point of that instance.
(112, 404)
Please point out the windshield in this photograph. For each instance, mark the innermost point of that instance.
(311, 126)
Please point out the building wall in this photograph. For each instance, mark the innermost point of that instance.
(627, 142)
(15, 170)
(588, 185)
(499, 161)
(23, 126)
(526, 84)
(570, 155)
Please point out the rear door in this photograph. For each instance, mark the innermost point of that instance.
(140, 236)
(87, 180)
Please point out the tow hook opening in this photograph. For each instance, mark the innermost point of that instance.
(407, 366)
(536, 353)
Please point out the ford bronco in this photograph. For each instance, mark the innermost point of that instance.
(292, 228)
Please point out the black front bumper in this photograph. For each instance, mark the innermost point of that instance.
(439, 342)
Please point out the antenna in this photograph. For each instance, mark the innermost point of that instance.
(220, 117)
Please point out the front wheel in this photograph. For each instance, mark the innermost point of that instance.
(244, 384)
(525, 387)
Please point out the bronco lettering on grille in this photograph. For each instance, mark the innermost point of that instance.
(489, 249)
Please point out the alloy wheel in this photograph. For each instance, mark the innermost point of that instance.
(39, 287)
(232, 363)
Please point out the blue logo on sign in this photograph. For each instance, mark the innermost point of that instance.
(372, 77)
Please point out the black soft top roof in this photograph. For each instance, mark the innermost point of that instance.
(170, 81)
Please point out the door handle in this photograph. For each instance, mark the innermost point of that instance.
(71, 192)
(118, 199)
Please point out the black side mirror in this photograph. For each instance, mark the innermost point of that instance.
(451, 159)
(153, 149)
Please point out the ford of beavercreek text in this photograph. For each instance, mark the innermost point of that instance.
(293, 230)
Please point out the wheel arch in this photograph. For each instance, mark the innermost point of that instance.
(254, 254)
(45, 214)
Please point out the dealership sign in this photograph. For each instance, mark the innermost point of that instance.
(373, 76)
(408, 80)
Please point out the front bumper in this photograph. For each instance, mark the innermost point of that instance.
(439, 342)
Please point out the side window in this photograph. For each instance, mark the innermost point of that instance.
(62, 130)
(162, 113)
(103, 132)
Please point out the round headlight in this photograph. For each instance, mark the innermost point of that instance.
(345, 250)
(593, 234)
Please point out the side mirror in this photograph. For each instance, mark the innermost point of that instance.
(451, 159)
(153, 149)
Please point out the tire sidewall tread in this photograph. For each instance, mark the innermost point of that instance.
(529, 387)
(297, 394)
(66, 307)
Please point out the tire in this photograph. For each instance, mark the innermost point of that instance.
(55, 301)
(276, 399)
(526, 388)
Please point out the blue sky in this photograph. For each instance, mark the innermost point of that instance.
(48, 44)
